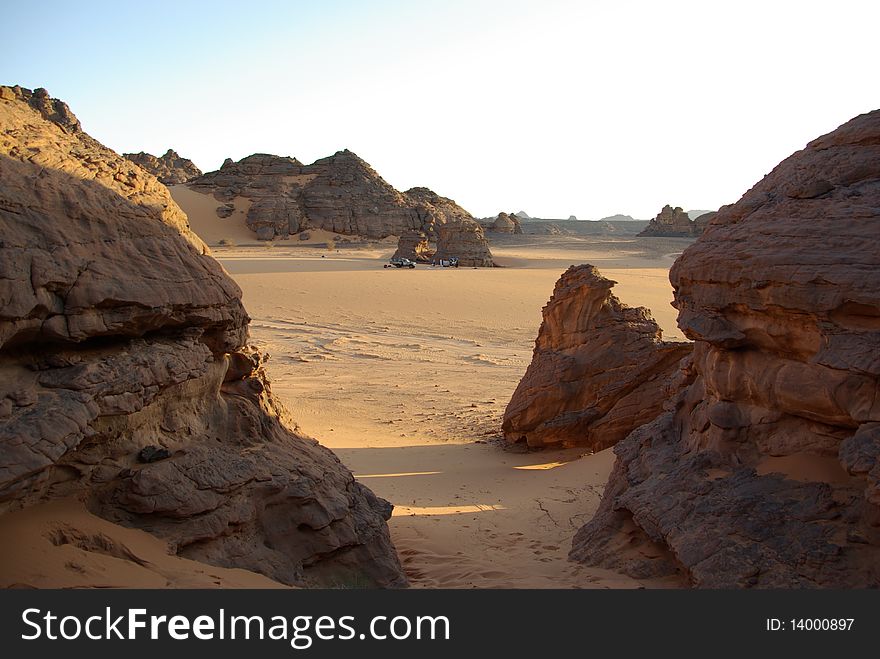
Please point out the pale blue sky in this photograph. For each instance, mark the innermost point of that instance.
(556, 107)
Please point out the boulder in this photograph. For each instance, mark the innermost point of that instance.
(600, 368)
(764, 471)
(127, 382)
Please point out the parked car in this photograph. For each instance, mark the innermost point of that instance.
(400, 262)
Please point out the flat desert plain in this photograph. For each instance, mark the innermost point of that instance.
(405, 374)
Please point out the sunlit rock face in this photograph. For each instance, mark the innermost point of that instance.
(599, 369)
(764, 472)
(119, 332)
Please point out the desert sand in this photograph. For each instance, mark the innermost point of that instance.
(60, 544)
(405, 375)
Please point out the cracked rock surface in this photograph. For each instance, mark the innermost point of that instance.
(118, 332)
(599, 370)
(765, 470)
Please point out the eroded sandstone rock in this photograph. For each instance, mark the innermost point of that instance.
(342, 194)
(169, 168)
(414, 245)
(765, 472)
(671, 222)
(118, 331)
(463, 239)
(507, 223)
(600, 368)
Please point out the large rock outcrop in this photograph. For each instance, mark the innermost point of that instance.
(671, 222)
(169, 168)
(600, 368)
(463, 239)
(764, 472)
(414, 245)
(341, 193)
(118, 333)
(507, 223)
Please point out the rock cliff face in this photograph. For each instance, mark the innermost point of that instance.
(671, 222)
(170, 168)
(119, 332)
(600, 369)
(764, 471)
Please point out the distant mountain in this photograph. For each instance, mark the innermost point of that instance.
(620, 218)
(572, 218)
(523, 215)
(695, 214)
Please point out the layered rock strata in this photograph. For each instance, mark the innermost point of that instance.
(765, 470)
(119, 332)
(599, 370)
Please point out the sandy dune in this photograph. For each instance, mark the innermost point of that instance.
(405, 374)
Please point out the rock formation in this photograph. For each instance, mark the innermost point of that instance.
(413, 245)
(432, 210)
(170, 168)
(702, 221)
(119, 332)
(506, 223)
(341, 193)
(600, 368)
(764, 471)
(671, 222)
(463, 239)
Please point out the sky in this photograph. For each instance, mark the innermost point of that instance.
(555, 107)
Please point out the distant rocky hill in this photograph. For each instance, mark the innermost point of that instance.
(126, 381)
(671, 222)
(170, 168)
(507, 223)
(340, 193)
(619, 218)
